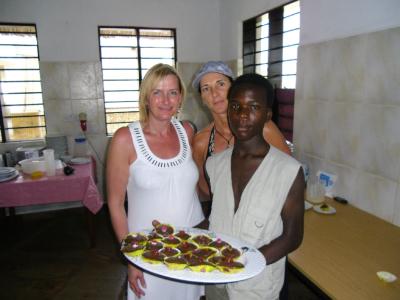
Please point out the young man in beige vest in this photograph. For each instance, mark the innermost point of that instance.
(258, 191)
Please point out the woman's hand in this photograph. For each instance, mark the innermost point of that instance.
(134, 277)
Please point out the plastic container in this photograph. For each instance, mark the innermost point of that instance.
(58, 143)
(81, 147)
(31, 165)
(315, 192)
(48, 155)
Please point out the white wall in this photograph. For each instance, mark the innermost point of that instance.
(347, 110)
(332, 19)
(321, 20)
(67, 29)
(233, 13)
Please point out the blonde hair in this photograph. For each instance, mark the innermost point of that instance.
(153, 76)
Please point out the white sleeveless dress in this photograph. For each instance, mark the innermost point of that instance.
(163, 189)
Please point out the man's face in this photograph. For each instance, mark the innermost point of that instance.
(248, 111)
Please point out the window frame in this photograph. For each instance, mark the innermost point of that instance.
(276, 34)
(6, 138)
(140, 69)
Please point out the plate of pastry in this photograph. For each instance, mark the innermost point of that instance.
(325, 209)
(191, 254)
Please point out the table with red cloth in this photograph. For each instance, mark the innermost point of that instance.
(80, 186)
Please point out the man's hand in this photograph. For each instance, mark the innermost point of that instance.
(134, 277)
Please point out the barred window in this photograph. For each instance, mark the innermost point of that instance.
(126, 54)
(21, 110)
(270, 43)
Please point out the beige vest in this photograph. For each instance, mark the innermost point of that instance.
(257, 220)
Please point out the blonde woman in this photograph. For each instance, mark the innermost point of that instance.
(150, 160)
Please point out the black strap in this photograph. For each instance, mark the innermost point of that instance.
(210, 149)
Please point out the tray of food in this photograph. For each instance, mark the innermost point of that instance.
(191, 254)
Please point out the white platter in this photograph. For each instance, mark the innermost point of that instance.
(330, 211)
(79, 161)
(253, 260)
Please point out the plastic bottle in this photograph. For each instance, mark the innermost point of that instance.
(9, 159)
(80, 147)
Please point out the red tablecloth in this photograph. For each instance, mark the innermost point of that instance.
(80, 186)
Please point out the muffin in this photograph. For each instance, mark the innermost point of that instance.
(175, 262)
(230, 252)
(202, 239)
(153, 257)
(197, 264)
(229, 266)
(132, 249)
(182, 235)
(135, 238)
(154, 245)
(204, 252)
(171, 241)
(216, 259)
(218, 244)
(169, 252)
(186, 247)
(163, 229)
(154, 236)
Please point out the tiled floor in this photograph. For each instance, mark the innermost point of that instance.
(47, 256)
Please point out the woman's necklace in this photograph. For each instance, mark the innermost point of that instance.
(228, 141)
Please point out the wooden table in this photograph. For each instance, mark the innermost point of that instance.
(341, 254)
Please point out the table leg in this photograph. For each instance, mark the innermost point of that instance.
(90, 223)
(310, 285)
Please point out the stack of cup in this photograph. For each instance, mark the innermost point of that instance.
(50, 162)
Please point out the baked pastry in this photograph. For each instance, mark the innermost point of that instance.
(171, 241)
(135, 238)
(163, 229)
(154, 245)
(218, 244)
(229, 266)
(204, 252)
(183, 235)
(230, 252)
(325, 207)
(226, 265)
(216, 259)
(169, 252)
(132, 249)
(175, 262)
(198, 264)
(154, 236)
(153, 257)
(202, 239)
(186, 247)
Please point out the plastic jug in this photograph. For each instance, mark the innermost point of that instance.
(81, 147)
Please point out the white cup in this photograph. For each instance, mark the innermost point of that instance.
(315, 192)
(50, 162)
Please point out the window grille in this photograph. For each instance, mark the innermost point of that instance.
(270, 43)
(126, 54)
(21, 110)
